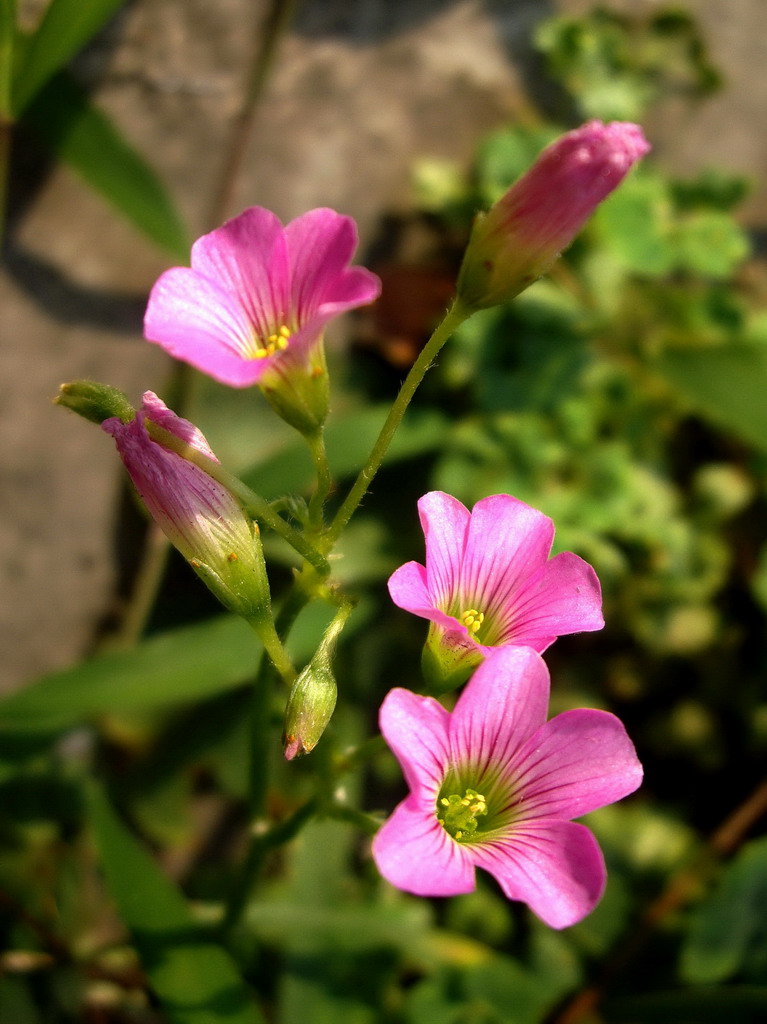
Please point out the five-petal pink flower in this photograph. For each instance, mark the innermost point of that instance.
(489, 582)
(494, 785)
(253, 306)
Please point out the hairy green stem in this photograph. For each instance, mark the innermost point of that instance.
(453, 318)
(316, 443)
(264, 840)
(273, 647)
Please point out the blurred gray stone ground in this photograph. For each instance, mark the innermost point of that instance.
(361, 89)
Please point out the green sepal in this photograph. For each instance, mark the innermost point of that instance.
(95, 402)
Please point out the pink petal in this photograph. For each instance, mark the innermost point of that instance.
(156, 410)
(507, 542)
(413, 852)
(194, 319)
(565, 597)
(408, 590)
(248, 256)
(577, 762)
(356, 287)
(556, 867)
(416, 729)
(320, 245)
(445, 522)
(503, 704)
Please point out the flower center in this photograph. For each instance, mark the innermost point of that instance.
(458, 814)
(473, 620)
(276, 342)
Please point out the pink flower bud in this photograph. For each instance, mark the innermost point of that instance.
(520, 237)
(198, 515)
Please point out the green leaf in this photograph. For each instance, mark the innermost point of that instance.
(730, 924)
(726, 385)
(65, 29)
(194, 979)
(635, 224)
(182, 665)
(85, 138)
(711, 243)
(8, 38)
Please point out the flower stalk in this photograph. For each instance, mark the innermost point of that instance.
(454, 317)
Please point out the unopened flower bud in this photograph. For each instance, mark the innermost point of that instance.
(520, 237)
(312, 698)
(198, 515)
(95, 402)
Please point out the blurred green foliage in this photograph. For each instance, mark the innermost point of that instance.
(38, 92)
(623, 395)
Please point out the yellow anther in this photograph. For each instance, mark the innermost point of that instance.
(462, 813)
(473, 620)
(277, 341)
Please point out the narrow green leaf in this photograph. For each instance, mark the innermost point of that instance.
(194, 979)
(65, 29)
(85, 138)
(726, 385)
(7, 41)
(180, 666)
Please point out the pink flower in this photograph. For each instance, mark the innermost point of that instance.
(494, 785)
(253, 305)
(489, 582)
(198, 515)
(540, 215)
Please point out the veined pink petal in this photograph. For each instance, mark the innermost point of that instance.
(248, 257)
(157, 411)
(194, 319)
(504, 704)
(408, 590)
(320, 245)
(416, 729)
(563, 597)
(556, 867)
(445, 522)
(577, 762)
(413, 852)
(507, 541)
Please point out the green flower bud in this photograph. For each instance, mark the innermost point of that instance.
(95, 402)
(312, 698)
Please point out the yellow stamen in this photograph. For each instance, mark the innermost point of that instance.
(275, 342)
(460, 820)
(473, 620)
